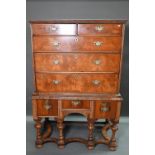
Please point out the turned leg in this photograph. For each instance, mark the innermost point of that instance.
(60, 127)
(39, 142)
(114, 128)
(90, 134)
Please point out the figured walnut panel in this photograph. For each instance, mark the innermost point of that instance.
(72, 44)
(75, 104)
(54, 29)
(100, 29)
(67, 82)
(106, 43)
(80, 62)
(48, 43)
(109, 107)
(47, 107)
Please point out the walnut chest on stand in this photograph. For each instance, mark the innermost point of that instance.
(77, 69)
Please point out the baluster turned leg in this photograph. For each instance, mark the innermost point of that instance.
(90, 134)
(60, 127)
(113, 143)
(39, 142)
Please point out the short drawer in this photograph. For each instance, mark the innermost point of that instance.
(106, 109)
(77, 82)
(47, 107)
(76, 44)
(99, 44)
(54, 43)
(100, 29)
(54, 29)
(75, 104)
(76, 62)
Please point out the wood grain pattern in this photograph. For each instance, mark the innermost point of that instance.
(71, 44)
(77, 69)
(43, 111)
(112, 108)
(106, 29)
(54, 29)
(79, 62)
(75, 104)
(108, 83)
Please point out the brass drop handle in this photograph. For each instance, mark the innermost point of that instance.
(53, 28)
(50, 29)
(99, 28)
(56, 43)
(47, 106)
(75, 103)
(97, 62)
(98, 43)
(104, 107)
(96, 82)
(56, 82)
(56, 62)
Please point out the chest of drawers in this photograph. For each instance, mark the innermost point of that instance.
(77, 69)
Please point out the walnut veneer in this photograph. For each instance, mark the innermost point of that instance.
(77, 69)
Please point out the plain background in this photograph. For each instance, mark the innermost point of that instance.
(78, 9)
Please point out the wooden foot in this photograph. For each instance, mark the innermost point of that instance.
(60, 127)
(39, 142)
(91, 141)
(110, 140)
(113, 143)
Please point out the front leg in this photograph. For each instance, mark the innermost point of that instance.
(60, 127)
(39, 141)
(90, 134)
(113, 143)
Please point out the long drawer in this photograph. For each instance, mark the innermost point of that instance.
(77, 62)
(77, 82)
(72, 44)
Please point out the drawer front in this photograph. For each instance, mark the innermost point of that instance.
(75, 104)
(48, 44)
(54, 29)
(90, 43)
(47, 107)
(72, 44)
(105, 109)
(100, 29)
(80, 82)
(46, 62)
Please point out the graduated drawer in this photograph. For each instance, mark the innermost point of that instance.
(100, 29)
(75, 104)
(47, 107)
(72, 44)
(74, 62)
(107, 109)
(54, 29)
(77, 82)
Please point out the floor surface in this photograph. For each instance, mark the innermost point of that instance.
(77, 130)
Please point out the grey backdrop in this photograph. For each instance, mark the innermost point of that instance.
(78, 9)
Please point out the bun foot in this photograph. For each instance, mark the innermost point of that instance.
(90, 147)
(113, 146)
(39, 144)
(61, 146)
